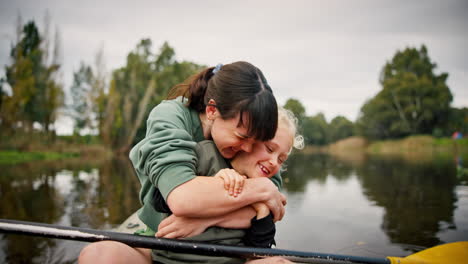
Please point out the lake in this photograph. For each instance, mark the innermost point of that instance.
(348, 204)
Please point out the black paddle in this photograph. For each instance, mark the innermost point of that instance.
(447, 253)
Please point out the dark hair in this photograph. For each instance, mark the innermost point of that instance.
(238, 87)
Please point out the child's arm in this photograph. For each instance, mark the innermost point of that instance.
(233, 181)
(261, 209)
(262, 230)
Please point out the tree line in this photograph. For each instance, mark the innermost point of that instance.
(117, 109)
(413, 99)
(112, 106)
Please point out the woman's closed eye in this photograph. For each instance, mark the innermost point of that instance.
(242, 137)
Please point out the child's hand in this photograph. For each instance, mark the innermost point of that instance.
(233, 181)
(261, 209)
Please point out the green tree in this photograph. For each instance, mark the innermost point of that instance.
(21, 75)
(36, 94)
(414, 100)
(136, 88)
(315, 130)
(296, 107)
(340, 127)
(458, 121)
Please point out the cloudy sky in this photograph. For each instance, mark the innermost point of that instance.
(327, 54)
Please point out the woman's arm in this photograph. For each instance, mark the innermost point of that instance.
(180, 227)
(206, 197)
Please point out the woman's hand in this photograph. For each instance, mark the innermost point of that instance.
(276, 205)
(273, 199)
(233, 181)
(180, 227)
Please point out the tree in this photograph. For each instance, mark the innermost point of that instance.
(174, 74)
(54, 96)
(296, 107)
(315, 130)
(136, 88)
(458, 121)
(98, 90)
(414, 100)
(22, 75)
(340, 127)
(36, 94)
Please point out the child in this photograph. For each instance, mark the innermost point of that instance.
(265, 160)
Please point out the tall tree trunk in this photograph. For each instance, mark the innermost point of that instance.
(139, 118)
(106, 128)
(396, 101)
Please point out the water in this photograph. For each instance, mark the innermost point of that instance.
(353, 205)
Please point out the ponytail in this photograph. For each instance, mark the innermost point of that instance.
(194, 89)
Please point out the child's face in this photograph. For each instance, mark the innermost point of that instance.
(266, 158)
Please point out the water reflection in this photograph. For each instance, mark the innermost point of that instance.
(316, 167)
(92, 193)
(347, 204)
(418, 195)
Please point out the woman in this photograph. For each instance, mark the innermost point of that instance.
(232, 105)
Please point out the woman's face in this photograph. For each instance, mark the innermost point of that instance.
(229, 137)
(266, 157)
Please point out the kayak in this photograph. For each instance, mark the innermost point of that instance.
(131, 224)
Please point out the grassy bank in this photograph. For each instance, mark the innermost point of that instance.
(421, 146)
(19, 148)
(15, 157)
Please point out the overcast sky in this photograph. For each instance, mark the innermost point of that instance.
(327, 54)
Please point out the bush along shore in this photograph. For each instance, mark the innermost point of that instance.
(19, 148)
(414, 144)
(15, 157)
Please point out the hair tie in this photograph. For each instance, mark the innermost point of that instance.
(217, 68)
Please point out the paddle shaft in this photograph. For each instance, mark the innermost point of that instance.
(181, 246)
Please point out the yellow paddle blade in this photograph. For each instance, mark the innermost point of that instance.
(453, 253)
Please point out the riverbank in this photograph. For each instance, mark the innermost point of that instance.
(78, 152)
(20, 148)
(15, 157)
(420, 144)
(414, 145)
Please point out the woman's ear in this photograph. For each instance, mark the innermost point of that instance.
(211, 110)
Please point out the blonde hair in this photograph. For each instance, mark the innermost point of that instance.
(287, 119)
